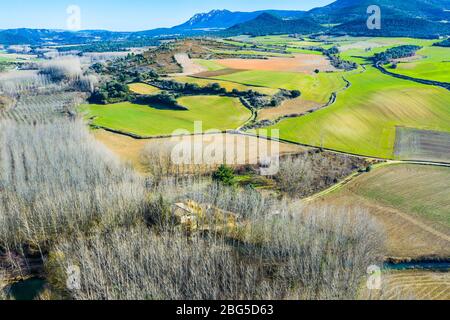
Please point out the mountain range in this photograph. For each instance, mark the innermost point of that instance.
(413, 18)
(223, 19)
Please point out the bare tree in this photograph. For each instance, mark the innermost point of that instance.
(56, 179)
(309, 256)
(62, 68)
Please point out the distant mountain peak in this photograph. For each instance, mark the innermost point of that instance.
(223, 19)
(204, 17)
(206, 20)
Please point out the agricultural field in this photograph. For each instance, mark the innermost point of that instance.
(430, 63)
(282, 40)
(422, 145)
(250, 53)
(143, 88)
(412, 202)
(229, 86)
(220, 113)
(422, 191)
(365, 116)
(303, 51)
(284, 43)
(359, 50)
(209, 65)
(411, 285)
(130, 150)
(267, 77)
(288, 107)
(13, 57)
(317, 87)
(301, 63)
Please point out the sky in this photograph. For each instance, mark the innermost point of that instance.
(128, 15)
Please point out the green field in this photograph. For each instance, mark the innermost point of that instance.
(229, 86)
(434, 64)
(250, 53)
(317, 88)
(291, 45)
(360, 49)
(219, 113)
(5, 59)
(210, 65)
(423, 191)
(364, 118)
(303, 51)
(143, 88)
(13, 57)
(281, 40)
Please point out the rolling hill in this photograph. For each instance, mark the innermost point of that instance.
(394, 27)
(342, 11)
(269, 24)
(416, 18)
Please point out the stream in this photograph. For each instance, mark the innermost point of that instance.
(419, 265)
(26, 290)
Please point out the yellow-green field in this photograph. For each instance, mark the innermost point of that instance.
(215, 112)
(317, 87)
(364, 118)
(421, 191)
(411, 203)
(229, 86)
(359, 50)
(143, 88)
(210, 65)
(432, 63)
(250, 53)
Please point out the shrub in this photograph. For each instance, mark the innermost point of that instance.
(224, 175)
(111, 92)
(163, 98)
(296, 93)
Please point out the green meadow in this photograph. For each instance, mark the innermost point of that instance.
(5, 59)
(364, 117)
(250, 53)
(229, 86)
(210, 65)
(433, 63)
(282, 40)
(359, 50)
(317, 87)
(303, 51)
(143, 88)
(215, 112)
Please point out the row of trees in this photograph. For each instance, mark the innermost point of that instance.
(395, 53)
(444, 43)
(336, 61)
(256, 99)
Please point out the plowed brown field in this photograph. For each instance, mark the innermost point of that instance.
(302, 63)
